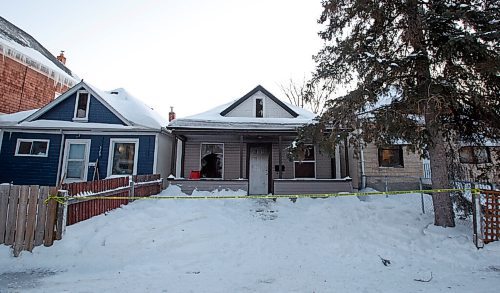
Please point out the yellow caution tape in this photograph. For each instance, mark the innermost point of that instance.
(62, 199)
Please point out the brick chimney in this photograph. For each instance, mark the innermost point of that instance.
(171, 114)
(61, 58)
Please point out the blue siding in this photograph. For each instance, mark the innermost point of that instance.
(29, 170)
(145, 160)
(65, 111)
(43, 170)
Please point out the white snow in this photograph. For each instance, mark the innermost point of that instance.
(35, 55)
(132, 108)
(14, 118)
(313, 245)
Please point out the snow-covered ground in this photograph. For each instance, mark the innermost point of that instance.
(312, 245)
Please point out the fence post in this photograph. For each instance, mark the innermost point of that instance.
(421, 195)
(62, 215)
(476, 218)
(131, 191)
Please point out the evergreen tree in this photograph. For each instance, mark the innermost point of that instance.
(424, 71)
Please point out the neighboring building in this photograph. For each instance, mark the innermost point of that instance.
(30, 76)
(84, 134)
(243, 145)
(479, 164)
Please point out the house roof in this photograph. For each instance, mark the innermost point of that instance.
(134, 113)
(19, 40)
(254, 91)
(215, 119)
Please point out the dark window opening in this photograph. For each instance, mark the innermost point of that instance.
(474, 155)
(259, 108)
(81, 108)
(391, 156)
(212, 160)
(305, 168)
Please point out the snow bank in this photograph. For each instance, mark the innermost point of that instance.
(313, 245)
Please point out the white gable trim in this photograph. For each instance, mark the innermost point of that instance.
(70, 92)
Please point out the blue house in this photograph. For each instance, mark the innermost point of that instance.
(85, 134)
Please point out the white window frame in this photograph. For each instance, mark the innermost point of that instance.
(309, 161)
(112, 142)
(19, 140)
(254, 110)
(76, 106)
(223, 158)
(67, 144)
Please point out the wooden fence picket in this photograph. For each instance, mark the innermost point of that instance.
(11, 215)
(4, 202)
(41, 217)
(29, 242)
(21, 220)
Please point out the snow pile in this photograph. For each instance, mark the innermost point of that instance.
(313, 245)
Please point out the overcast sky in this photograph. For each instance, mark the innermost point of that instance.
(190, 54)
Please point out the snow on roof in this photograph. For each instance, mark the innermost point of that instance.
(13, 36)
(133, 109)
(14, 118)
(213, 119)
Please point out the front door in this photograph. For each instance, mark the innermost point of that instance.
(76, 160)
(259, 170)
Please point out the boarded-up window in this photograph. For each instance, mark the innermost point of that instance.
(474, 155)
(212, 160)
(391, 156)
(306, 168)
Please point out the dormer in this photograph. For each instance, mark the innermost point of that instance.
(259, 103)
(82, 103)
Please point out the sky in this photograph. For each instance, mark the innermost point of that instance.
(191, 54)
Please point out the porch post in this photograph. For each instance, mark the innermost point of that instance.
(337, 162)
(280, 162)
(241, 156)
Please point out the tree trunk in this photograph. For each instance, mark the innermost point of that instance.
(443, 208)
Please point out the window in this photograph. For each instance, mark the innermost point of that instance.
(123, 157)
(32, 147)
(474, 155)
(306, 167)
(82, 106)
(76, 160)
(212, 160)
(259, 108)
(391, 156)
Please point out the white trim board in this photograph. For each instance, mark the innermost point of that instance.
(112, 142)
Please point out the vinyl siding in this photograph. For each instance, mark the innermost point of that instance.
(102, 142)
(29, 170)
(271, 109)
(65, 111)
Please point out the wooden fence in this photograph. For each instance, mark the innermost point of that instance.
(26, 220)
(81, 209)
(491, 217)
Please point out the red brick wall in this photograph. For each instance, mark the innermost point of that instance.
(23, 88)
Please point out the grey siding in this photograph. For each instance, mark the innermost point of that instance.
(311, 186)
(188, 186)
(164, 155)
(231, 156)
(289, 171)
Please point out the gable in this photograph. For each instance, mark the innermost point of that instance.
(65, 111)
(247, 108)
(259, 100)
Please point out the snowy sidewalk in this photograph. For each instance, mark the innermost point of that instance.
(313, 245)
